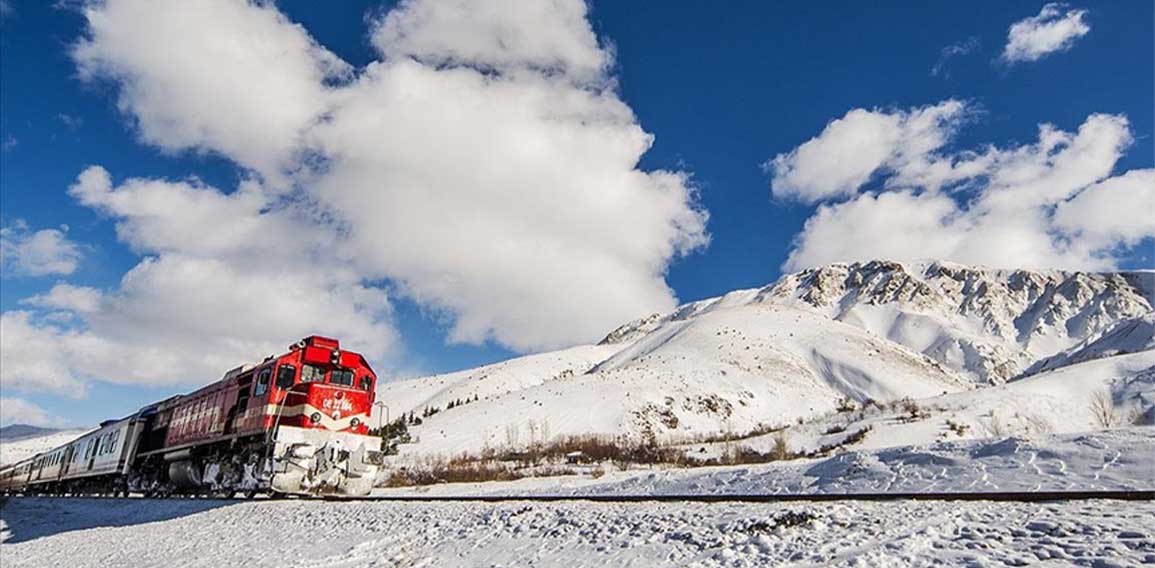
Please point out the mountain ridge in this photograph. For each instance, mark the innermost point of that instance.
(789, 351)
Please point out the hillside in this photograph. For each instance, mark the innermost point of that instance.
(796, 350)
(26, 441)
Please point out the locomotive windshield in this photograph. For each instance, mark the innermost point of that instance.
(312, 373)
(286, 374)
(342, 377)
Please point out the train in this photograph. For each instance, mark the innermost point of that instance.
(294, 424)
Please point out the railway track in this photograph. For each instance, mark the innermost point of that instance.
(1016, 496)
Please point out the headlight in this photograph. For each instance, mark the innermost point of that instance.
(316, 417)
(355, 422)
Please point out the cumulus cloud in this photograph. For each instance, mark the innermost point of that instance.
(1053, 30)
(485, 165)
(228, 76)
(1117, 210)
(69, 298)
(224, 279)
(1053, 203)
(551, 35)
(31, 359)
(851, 149)
(24, 252)
(20, 411)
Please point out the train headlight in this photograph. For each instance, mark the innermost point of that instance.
(316, 417)
(355, 422)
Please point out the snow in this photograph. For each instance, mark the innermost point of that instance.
(1128, 336)
(727, 369)
(79, 533)
(939, 332)
(1122, 459)
(12, 451)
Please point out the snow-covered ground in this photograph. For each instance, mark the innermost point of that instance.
(1110, 460)
(81, 533)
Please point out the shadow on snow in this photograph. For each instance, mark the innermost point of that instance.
(29, 518)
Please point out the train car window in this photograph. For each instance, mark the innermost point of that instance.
(343, 377)
(263, 382)
(312, 373)
(366, 383)
(286, 375)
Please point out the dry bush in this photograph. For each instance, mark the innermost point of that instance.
(451, 472)
(993, 426)
(1103, 409)
(846, 404)
(958, 428)
(781, 449)
(854, 438)
(912, 409)
(1037, 424)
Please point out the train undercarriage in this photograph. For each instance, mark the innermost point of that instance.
(300, 462)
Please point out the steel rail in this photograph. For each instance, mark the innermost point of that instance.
(1014, 496)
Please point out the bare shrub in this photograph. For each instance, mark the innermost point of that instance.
(1036, 424)
(1103, 409)
(846, 404)
(781, 449)
(835, 429)
(993, 426)
(958, 428)
(912, 409)
(512, 432)
(855, 437)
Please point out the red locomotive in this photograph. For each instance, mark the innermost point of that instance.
(297, 423)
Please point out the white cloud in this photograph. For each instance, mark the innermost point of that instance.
(852, 148)
(64, 296)
(485, 165)
(1118, 210)
(20, 411)
(551, 35)
(1053, 203)
(226, 278)
(1051, 31)
(32, 359)
(37, 253)
(229, 76)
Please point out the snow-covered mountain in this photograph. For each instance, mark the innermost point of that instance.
(793, 350)
(20, 441)
(989, 324)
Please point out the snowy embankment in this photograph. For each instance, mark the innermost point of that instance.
(41, 532)
(1110, 460)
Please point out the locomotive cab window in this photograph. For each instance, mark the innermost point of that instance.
(366, 383)
(312, 373)
(286, 374)
(262, 382)
(343, 377)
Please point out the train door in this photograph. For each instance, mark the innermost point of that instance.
(90, 456)
(244, 385)
(67, 463)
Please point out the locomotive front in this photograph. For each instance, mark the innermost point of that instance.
(318, 418)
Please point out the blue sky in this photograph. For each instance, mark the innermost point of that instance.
(723, 92)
